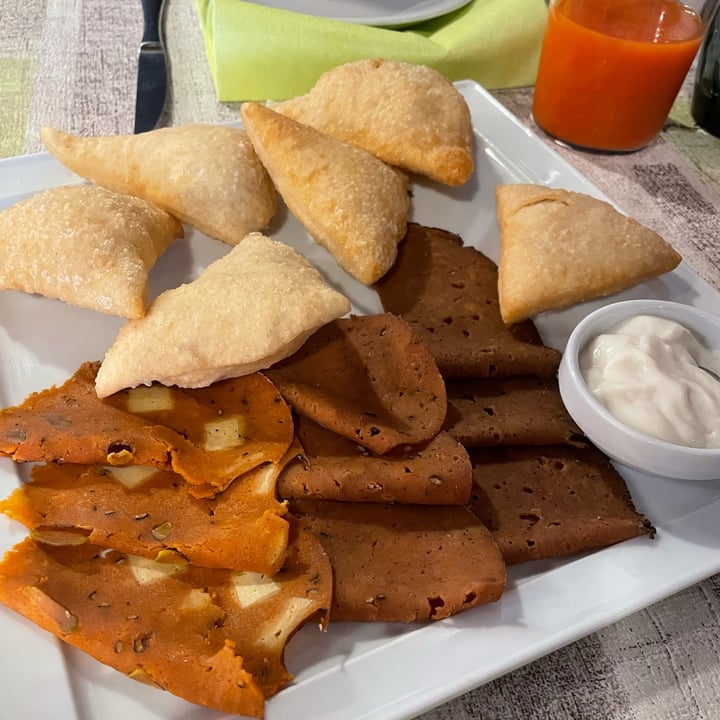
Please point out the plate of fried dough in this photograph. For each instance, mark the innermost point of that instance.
(281, 424)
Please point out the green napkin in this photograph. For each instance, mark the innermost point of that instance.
(260, 53)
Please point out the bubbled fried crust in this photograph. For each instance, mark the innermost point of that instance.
(377, 551)
(559, 248)
(85, 245)
(407, 115)
(207, 175)
(352, 204)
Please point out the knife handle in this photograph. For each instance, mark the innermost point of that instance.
(151, 20)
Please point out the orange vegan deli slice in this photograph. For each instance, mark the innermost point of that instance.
(410, 116)
(266, 300)
(212, 637)
(206, 175)
(145, 511)
(69, 424)
(559, 247)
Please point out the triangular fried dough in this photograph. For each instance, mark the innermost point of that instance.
(212, 637)
(558, 248)
(206, 175)
(368, 378)
(349, 201)
(236, 424)
(522, 410)
(246, 311)
(407, 115)
(84, 245)
(144, 511)
(448, 294)
(552, 501)
(332, 467)
(404, 563)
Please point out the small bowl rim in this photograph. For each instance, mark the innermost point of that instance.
(577, 341)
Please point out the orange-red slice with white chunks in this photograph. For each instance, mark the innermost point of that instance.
(209, 435)
(68, 423)
(213, 637)
(146, 511)
(236, 424)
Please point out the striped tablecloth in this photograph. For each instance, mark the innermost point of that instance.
(72, 64)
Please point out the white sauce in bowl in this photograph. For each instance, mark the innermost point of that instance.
(648, 372)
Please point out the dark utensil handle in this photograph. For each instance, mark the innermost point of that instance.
(151, 20)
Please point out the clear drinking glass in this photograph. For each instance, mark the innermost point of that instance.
(610, 69)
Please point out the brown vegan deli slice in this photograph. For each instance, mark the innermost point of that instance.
(448, 294)
(552, 501)
(368, 378)
(145, 511)
(332, 467)
(265, 612)
(163, 632)
(213, 637)
(522, 410)
(404, 563)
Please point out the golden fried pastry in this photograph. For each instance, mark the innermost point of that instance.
(84, 245)
(407, 115)
(368, 378)
(559, 247)
(353, 204)
(208, 176)
(249, 309)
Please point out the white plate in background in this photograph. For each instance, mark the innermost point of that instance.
(379, 13)
(371, 671)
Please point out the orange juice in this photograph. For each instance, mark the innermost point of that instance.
(610, 70)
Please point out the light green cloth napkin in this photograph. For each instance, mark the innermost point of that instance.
(260, 53)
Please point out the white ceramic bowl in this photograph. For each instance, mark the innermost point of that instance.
(622, 443)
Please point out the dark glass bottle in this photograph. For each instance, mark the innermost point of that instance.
(706, 94)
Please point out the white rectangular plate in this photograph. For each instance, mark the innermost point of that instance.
(374, 671)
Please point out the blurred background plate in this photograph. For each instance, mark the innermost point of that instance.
(380, 13)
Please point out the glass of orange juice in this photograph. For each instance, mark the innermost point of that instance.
(610, 69)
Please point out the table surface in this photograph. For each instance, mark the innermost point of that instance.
(72, 65)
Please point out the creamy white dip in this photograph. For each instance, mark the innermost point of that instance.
(648, 372)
